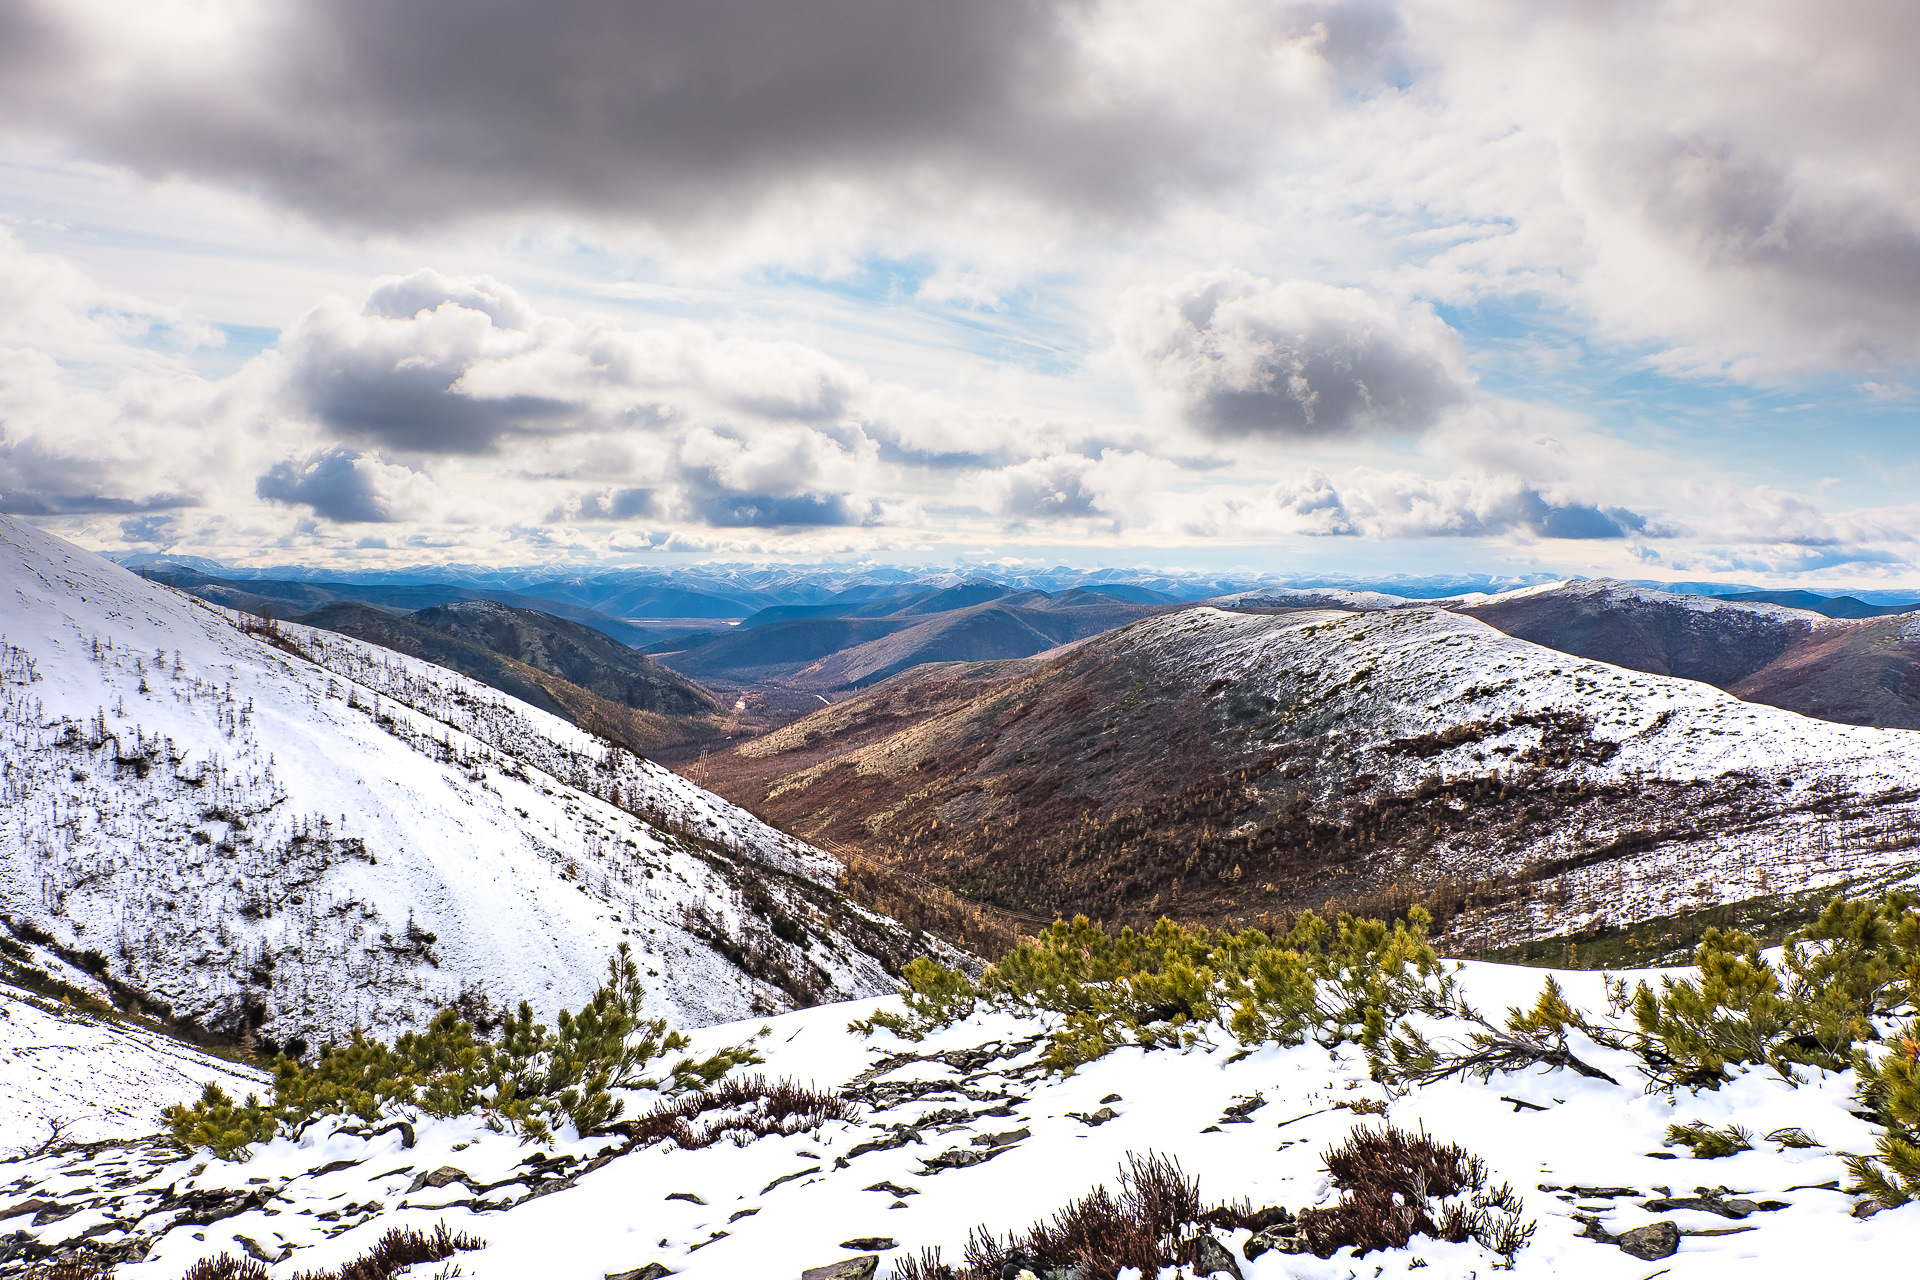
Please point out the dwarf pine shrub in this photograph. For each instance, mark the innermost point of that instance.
(528, 1079)
(1890, 1087)
(1344, 981)
(1860, 960)
(1707, 1142)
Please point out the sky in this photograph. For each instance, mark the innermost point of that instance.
(1613, 288)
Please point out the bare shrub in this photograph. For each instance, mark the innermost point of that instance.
(397, 1250)
(752, 1107)
(1398, 1185)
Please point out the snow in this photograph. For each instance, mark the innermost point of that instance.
(314, 834)
(618, 1217)
(95, 1080)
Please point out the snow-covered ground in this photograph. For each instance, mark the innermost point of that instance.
(1568, 1145)
(309, 834)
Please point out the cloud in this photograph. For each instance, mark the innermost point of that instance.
(1119, 488)
(1402, 504)
(372, 113)
(1236, 355)
(347, 487)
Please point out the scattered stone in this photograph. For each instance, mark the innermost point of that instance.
(1006, 1139)
(445, 1176)
(34, 1205)
(1210, 1257)
(688, 1196)
(1867, 1208)
(1096, 1118)
(960, 1158)
(870, 1244)
(334, 1167)
(785, 1177)
(1213, 1128)
(652, 1271)
(1245, 1106)
(861, 1268)
(743, 1213)
(1282, 1237)
(259, 1251)
(1112, 1097)
(894, 1189)
(1652, 1242)
(1712, 1202)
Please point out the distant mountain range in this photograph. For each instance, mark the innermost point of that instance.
(832, 647)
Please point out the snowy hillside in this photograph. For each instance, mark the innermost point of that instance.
(301, 833)
(965, 1128)
(1670, 794)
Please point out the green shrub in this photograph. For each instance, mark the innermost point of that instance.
(527, 1080)
(1890, 1086)
(1708, 1143)
(1347, 981)
(1859, 961)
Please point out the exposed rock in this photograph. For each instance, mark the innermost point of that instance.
(688, 1196)
(1008, 1138)
(959, 1158)
(445, 1176)
(870, 1243)
(894, 1189)
(1210, 1257)
(785, 1177)
(652, 1271)
(1867, 1208)
(260, 1251)
(861, 1268)
(1095, 1118)
(1652, 1242)
(1281, 1237)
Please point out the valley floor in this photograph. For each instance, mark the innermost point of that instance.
(779, 1205)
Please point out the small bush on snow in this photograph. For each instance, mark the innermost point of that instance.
(528, 1080)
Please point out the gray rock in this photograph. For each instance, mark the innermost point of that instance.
(1008, 1138)
(688, 1196)
(1652, 1242)
(445, 1176)
(861, 1268)
(260, 1251)
(894, 1189)
(1095, 1118)
(1281, 1237)
(871, 1244)
(1210, 1257)
(1867, 1208)
(652, 1271)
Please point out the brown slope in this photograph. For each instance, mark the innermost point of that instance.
(1864, 672)
(1228, 767)
(1847, 671)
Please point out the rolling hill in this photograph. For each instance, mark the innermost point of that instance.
(561, 667)
(1238, 766)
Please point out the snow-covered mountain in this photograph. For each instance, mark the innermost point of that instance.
(1226, 766)
(299, 833)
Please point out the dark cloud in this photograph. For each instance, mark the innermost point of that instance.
(612, 504)
(338, 483)
(369, 112)
(14, 502)
(727, 509)
(384, 378)
(1237, 355)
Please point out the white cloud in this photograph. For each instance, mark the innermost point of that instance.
(1236, 355)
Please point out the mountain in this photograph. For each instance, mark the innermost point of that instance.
(291, 598)
(969, 622)
(561, 667)
(1237, 766)
(1849, 671)
(1829, 606)
(288, 833)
